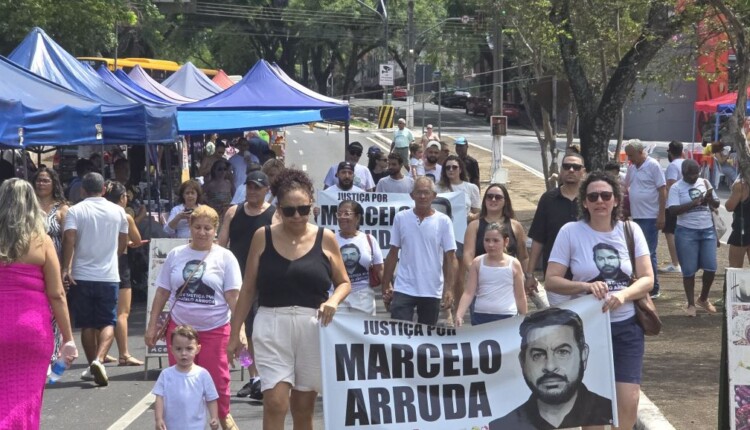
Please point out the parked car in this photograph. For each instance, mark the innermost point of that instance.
(456, 98)
(400, 93)
(479, 106)
(514, 112)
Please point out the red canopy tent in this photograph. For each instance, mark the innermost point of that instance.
(710, 106)
(221, 79)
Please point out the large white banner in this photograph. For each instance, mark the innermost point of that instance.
(738, 348)
(386, 374)
(380, 208)
(156, 256)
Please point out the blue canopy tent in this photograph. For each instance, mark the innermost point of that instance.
(189, 81)
(143, 80)
(125, 80)
(125, 121)
(141, 96)
(36, 112)
(261, 99)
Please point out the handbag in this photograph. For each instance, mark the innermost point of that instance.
(163, 322)
(719, 225)
(645, 309)
(375, 280)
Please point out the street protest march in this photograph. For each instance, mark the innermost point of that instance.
(381, 208)
(382, 373)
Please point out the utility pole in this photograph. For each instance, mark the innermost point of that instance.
(410, 67)
(497, 64)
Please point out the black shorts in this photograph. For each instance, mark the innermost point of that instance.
(123, 266)
(670, 222)
(736, 238)
(94, 304)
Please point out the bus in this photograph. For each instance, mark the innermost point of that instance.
(159, 70)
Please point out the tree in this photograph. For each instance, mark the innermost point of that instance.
(598, 110)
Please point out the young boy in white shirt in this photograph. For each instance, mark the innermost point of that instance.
(184, 391)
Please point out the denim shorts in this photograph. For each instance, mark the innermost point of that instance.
(627, 350)
(696, 249)
(94, 304)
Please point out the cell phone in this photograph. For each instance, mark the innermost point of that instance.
(188, 211)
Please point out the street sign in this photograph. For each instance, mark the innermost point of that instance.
(436, 74)
(499, 125)
(386, 74)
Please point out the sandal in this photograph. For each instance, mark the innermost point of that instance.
(109, 359)
(129, 360)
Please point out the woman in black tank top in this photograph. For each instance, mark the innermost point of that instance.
(292, 265)
(739, 240)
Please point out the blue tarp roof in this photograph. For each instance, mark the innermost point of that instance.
(117, 84)
(728, 109)
(46, 113)
(125, 121)
(189, 81)
(250, 105)
(143, 80)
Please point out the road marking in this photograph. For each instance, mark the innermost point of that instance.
(301, 153)
(134, 412)
(308, 131)
(304, 167)
(378, 143)
(294, 140)
(529, 169)
(354, 132)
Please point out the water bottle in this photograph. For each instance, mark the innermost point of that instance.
(245, 359)
(58, 367)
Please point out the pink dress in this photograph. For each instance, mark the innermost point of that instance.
(25, 345)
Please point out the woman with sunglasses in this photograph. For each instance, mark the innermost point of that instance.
(377, 163)
(453, 178)
(360, 251)
(219, 189)
(594, 250)
(292, 266)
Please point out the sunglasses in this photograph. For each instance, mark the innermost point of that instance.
(356, 153)
(289, 211)
(594, 197)
(494, 197)
(568, 166)
(451, 167)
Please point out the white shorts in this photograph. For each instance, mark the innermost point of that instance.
(362, 300)
(287, 347)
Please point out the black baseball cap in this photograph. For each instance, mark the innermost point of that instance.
(356, 145)
(258, 178)
(345, 165)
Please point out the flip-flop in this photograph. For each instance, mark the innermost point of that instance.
(129, 361)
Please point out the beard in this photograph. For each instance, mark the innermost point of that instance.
(432, 160)
(560, 396)
(345, 185)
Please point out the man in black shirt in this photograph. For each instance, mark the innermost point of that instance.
(472, 166)
(556, 208)
(553, 360)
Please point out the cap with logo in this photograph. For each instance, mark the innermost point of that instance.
(345, 165)
(258, 178)
(433, 143)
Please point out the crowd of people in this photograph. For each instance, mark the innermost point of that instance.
(272, 278)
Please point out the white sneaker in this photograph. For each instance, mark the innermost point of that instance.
(100, 375)
(670, 269)
(86, 375)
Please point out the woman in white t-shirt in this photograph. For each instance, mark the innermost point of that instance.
(495, 279)
(211, 278)
(359, 250)
(453, 178)
(591, 256)
(691, 200)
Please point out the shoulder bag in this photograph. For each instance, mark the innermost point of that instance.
(375, 280)
(719, 225)
(163, 323)
(645, 310)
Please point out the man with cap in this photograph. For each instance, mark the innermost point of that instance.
(432, 168)
(345, 175)
(362, 176)
(239, 224)
(472, 166)
(402, 138)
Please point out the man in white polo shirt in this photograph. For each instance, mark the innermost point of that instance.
(427, 264)
(95, 233)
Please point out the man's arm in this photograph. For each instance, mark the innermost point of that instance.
(68, 247)
(389, 268)
(122, 243)
(450, 267)
(662, 203)
(536, 251)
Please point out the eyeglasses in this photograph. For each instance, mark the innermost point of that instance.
(355, 153)
(594, 197)
(568, 166)
(289, 211)
(345, 214)
(451, 167)
(494, 197)
(44, 181)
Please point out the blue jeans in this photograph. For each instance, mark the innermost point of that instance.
(648, 225)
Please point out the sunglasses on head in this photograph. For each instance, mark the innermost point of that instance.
(495, 197)
(451, 167)
(288, 211)
(594, 197)
(568, 166)
(355, 152)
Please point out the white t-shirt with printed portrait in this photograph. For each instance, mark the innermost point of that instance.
(202, 304)
(470, 191)
(698, 217)
(575, 248)
(358, 254)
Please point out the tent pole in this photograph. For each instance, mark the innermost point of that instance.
(148, 190)
(169, 174)
(192, 156)
(346, 136)
(25, 164)
(716, 128)
(692, 137)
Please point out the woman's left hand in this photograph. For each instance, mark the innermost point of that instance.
(325, 313)
(613, 301)
(68, 352)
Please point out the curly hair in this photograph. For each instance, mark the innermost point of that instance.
(58, 195)
(189, 184)
(20, 222)
(444, 181)
(290, 180)
(508, 212)
(599, 176)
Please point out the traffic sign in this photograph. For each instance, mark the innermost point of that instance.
(499, 125)
(386, 74)
(385, 116)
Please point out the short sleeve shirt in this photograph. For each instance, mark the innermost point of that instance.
(202, 304)
(674, 170)
(390, 185)
(358, 253)
(402, 138)
(698, 217)
(470, 191)
(362, 177)
(643, 183)
(423, 245)
(185, 395)
(553, 211)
